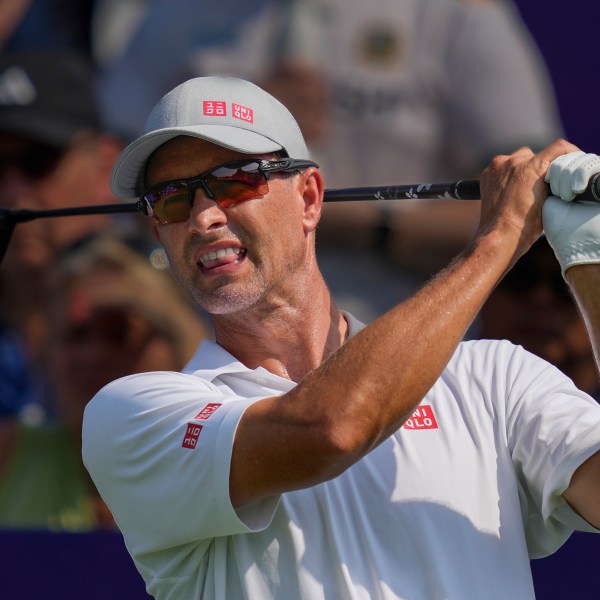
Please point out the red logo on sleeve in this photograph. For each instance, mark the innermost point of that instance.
(214, 108)
(422, 418)
(242, 112)
(208, 410)
(191, 436)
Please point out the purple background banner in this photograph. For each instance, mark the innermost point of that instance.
(568, 35)
(96, 566)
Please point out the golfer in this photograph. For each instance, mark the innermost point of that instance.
(304, 455)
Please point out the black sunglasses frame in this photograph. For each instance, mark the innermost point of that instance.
(265, 167)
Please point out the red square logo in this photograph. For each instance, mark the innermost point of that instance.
(191, 436)
(208, 410)
(422, 418)
(214, 108)
(242, 112)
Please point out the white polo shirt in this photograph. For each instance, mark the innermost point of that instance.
(452, 505)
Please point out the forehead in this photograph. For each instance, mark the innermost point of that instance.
(185, 156)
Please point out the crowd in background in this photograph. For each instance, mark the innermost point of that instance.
(386, 92)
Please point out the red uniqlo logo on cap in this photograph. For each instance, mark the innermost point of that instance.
(422, 418)
(208, 410)
(242, 112)
(191, 436)
(214, 108)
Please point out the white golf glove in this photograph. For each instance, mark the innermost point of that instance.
(572, 228)
(569, 174)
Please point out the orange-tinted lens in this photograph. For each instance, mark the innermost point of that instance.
(231, 185)
(170, 204)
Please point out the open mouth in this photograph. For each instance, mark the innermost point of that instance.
(222, 257)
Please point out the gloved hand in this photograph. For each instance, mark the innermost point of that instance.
(572, 228)
(569, 174)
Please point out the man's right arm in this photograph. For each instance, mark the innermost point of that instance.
(371, 385)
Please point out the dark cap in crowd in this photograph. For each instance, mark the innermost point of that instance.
(46, 95)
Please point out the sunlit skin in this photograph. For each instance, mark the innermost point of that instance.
(275, 311)
(257, 298)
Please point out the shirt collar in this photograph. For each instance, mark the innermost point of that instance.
(212, 360)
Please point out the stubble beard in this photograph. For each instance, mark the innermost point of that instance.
(225, 297)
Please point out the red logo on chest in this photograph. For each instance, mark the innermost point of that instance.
(422, 418)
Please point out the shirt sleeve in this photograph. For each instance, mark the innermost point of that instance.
(158, 447)
(552, 428)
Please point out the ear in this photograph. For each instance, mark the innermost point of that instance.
(313, 188)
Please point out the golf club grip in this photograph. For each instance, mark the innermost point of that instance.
(457, 190)
(465, 189)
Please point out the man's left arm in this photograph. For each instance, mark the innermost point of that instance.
(573, 231)
(583, 493)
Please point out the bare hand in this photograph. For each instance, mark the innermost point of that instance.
(513, 192)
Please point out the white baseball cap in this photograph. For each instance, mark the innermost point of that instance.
(232, 113)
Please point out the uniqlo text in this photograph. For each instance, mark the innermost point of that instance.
(242, 112)
(422, 418)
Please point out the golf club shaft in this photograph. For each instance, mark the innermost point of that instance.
(459, 190)
(467, 189)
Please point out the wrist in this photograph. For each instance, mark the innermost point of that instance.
(501, 247)
(573, 231)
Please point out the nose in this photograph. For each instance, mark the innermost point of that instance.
(206, 214)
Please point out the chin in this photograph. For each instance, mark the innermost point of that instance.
(225, 301)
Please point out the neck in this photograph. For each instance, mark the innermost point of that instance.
(289, 338)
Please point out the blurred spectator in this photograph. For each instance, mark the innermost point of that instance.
(148, 67)
(11, 14)
(431, 87)
(532, 306)
(112, 314)
(53, 153)
(113, 24)
(386, 92)
(97, 29)
(47, 24)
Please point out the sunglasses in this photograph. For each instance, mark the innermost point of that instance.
(228, 184)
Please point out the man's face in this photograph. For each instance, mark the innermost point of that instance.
(263, 245)
(36, 176)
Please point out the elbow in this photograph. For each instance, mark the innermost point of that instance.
(340, 446)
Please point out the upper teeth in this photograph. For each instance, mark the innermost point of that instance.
(219, 254)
